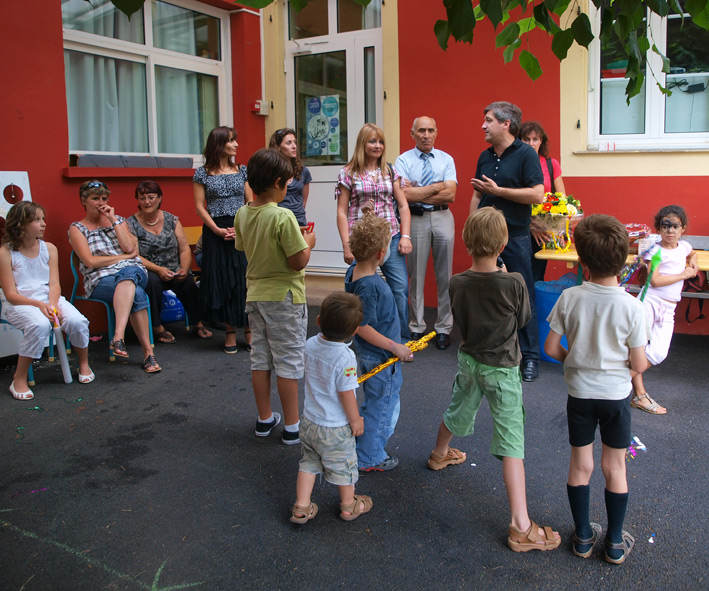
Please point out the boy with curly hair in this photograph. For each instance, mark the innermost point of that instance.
(378, 336)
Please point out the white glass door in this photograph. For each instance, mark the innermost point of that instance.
(333, 88)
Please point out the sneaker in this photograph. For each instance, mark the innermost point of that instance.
(264, 429)
(290, 437)
(389, 463)
(454, 456)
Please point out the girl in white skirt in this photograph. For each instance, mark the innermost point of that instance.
(29, 276)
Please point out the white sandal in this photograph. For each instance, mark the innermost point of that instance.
(651, 408)
(29, 395)
(86, 379)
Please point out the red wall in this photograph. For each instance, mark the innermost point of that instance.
(35, 129)
(454, 86)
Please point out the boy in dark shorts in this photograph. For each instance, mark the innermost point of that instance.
(607, 332)
(489, 306)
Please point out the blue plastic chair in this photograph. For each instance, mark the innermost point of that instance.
(30, 371)
(74, 264)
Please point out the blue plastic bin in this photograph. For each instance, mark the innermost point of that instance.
(172, 308)
(547, 293)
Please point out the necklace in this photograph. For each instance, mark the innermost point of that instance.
(157, 219)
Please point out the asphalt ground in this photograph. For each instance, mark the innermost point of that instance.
(158, 482)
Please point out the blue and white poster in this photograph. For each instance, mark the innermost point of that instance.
(323, 125)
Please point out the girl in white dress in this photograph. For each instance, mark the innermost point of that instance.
(29, 276)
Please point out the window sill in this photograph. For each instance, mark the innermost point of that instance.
(86, 172)
(643, 151)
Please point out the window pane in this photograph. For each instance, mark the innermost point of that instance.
(617, 117)
(687, 110)
(100, 17)
(185, 31)
(187, 109)
(370, 97)
(321, 107)
(311, 21)
(106, 102)
(355, 17)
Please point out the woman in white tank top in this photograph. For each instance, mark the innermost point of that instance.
(29, 276)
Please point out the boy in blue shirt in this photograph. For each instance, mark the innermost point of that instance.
(377, 337)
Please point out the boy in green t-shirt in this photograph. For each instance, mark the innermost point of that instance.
(277, 252)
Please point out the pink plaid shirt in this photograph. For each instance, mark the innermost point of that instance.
(369, 187)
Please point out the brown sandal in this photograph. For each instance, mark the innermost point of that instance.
(166, 337)
(202, 332)
(520, 541)
(119, 348)
(301, 515)
(356, 508)
(150, 364)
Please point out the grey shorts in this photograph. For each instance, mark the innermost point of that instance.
(329, 450)
(278, 331)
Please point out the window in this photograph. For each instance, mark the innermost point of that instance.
(652, 120)
(148, 85)
(323, 17)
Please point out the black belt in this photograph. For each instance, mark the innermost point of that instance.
(417, 209)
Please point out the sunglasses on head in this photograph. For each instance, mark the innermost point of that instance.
(96, 185)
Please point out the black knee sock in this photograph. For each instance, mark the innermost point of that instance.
(616, 505)
(579, 500)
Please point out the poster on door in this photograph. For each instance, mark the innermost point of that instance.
(323, 125)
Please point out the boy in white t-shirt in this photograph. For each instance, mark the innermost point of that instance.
(607, 332)
(677, 262)
(331, 419)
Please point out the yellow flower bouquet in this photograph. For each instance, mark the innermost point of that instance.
(557, 215)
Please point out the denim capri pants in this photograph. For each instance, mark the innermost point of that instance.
(107, 286)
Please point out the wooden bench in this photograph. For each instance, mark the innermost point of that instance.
(192, 233)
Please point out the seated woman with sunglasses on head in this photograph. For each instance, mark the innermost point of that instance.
(167, 256)
(111, 267)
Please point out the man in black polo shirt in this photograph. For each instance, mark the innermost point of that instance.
(509, 177)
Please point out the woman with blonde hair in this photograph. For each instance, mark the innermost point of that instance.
(369, 182)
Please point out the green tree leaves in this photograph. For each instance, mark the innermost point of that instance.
(623, 22)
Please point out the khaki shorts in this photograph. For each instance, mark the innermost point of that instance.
(329, 450)
(502, 386)
(278, 332)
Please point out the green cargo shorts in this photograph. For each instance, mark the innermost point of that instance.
(502, 386)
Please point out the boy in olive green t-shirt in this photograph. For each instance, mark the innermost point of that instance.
(277, 252)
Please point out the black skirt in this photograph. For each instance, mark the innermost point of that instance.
(222, 287)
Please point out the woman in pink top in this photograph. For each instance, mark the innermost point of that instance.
(532, 133)
(368, 181)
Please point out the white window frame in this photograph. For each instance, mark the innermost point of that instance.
(654, 138)
(152, 57)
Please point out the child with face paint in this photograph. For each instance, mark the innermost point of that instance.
(677, 262)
